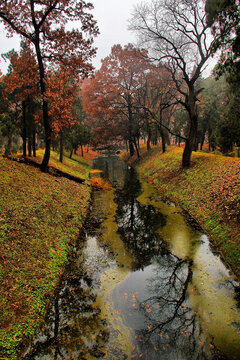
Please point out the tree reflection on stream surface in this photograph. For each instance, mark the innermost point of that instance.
(142, 283)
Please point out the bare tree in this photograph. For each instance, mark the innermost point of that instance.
(175, 32)
(158, 98)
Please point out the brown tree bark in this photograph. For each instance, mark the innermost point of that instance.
(46, 123)
(30, 147)
(24, 129)
(61, 147)
(34, 142)
(191, 107)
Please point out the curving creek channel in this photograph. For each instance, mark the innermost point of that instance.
(143, 282)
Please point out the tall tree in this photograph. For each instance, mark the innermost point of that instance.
(8, 117)
(158, 98)
(79, 134)
(176, 33)
(22, 84)
(115, 93)
(43, 24)
(61, 94)
(100, 115)
(224, 18)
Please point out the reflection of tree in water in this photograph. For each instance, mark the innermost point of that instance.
(138, 223)
(74, 328)
(170, 326)
(113, 169)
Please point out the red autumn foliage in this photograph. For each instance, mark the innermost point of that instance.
(60, 94)
(111, 98)
(98, 183)
(23, 78)
(43, 25)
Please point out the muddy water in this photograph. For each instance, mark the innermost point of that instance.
(143, 283)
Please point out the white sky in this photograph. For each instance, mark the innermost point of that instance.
(111, 16)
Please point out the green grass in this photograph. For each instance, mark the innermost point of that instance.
(40, 215)
(77, 166)
(209, 190)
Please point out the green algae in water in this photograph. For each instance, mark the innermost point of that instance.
(139, 283)
(211, 290)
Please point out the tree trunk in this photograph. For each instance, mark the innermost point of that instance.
(203, 138)
(46, 123)
(163, 139)
(131, 147)
(193, 120)
(179, 141)
(148, 143)
(189, 144)
(149, 136)
(8, 149)
(81, 149)
(163, 142)
(24, 129)
(61, 147)
(155, 138)
(136, 147)
(29, 146)
(130, 127)
(70, 156)
(34, 142)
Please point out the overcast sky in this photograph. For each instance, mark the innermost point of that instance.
(111, 16)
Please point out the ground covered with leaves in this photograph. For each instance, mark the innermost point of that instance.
(209, 190)
(40, 216)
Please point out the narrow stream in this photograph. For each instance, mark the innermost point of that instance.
(143, 283)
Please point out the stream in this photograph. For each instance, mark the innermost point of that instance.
(143, 282)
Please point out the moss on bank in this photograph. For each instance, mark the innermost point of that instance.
(209, 190)
(40, 216)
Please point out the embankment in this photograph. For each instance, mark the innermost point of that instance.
(40, 217)
(209, 191)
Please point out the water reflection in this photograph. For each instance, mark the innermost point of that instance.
(153, 300)
(157, 307)
(142, 284)
(74, 328)
(138, 223)
(113, 169)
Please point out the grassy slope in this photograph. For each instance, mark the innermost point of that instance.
(39, 216)
(209, 191)
(77, 166)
